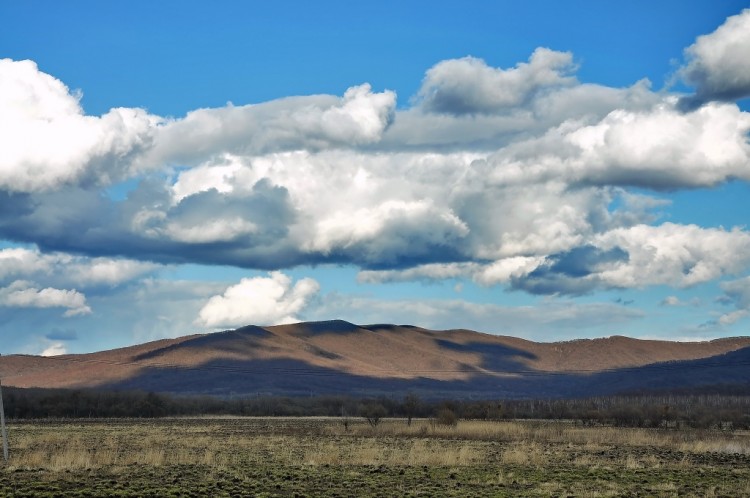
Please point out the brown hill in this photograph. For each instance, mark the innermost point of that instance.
(341, 357)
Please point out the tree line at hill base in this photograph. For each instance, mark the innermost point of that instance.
(718, 407)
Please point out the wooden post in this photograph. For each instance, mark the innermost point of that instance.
(2, 424)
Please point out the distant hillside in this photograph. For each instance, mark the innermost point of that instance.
(337, 357)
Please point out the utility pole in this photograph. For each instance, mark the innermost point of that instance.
(2, 424)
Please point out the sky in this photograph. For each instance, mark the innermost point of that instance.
(542, 169)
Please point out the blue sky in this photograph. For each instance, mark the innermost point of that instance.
(541, 169)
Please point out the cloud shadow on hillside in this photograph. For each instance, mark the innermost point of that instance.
(282, 377)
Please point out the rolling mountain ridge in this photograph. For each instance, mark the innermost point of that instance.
(337, 357)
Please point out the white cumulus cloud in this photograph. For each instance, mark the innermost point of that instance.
(718, 65)
(259, 301)
(22, 294)
(671, 301)
(672, 254)
(732, 317)
(47, 141)
(737, 293)
(54, 349)
(664, 147)
(469, 85)
(65, 269)
(316, 122)
(659, 147)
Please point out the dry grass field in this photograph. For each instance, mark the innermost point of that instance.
(320, 457)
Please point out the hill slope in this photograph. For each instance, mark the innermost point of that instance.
(338, 357)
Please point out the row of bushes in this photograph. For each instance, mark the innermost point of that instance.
(637, 410)
(698, 411)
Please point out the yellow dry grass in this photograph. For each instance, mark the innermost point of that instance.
(590, 438)
(416, 452)
(67, 446)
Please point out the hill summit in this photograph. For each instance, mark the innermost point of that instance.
(338, 357)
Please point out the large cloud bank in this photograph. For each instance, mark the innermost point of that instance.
(523, 177)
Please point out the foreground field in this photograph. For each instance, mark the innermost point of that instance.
(322, 457)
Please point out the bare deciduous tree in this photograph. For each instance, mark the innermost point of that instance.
(373, 412)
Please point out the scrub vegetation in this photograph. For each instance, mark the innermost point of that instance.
(721, 408)
(322, 456)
